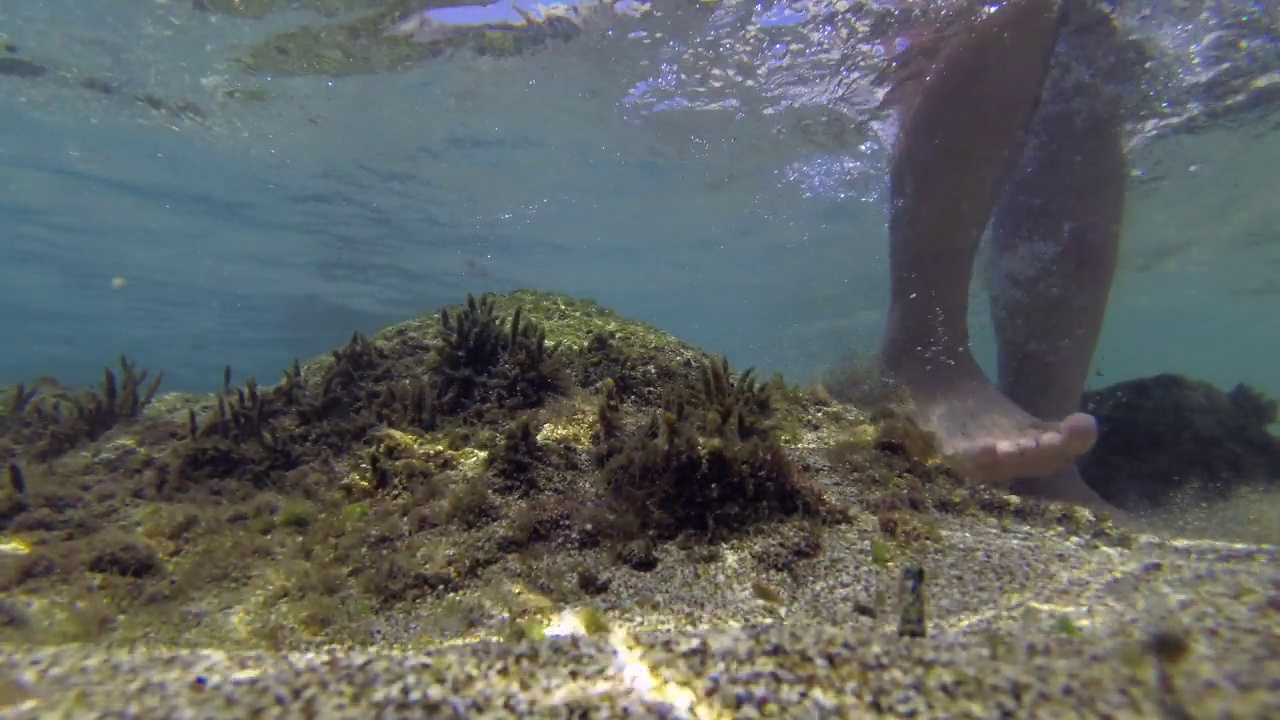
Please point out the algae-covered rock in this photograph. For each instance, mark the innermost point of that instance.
(520, 439)
(1165, 436)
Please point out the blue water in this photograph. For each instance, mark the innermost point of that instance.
(273, 229)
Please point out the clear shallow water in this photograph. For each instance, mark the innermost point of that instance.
(271, 230)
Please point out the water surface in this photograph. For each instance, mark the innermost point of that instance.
(263, 230)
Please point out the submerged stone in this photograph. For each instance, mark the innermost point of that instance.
(1166, 437)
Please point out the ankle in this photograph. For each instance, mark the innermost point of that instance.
(925, 361)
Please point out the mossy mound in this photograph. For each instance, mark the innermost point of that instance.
(450, 475)
(255, 9)
(1167, 437)
(337, 49)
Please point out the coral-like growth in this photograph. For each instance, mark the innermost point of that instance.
(713, 466)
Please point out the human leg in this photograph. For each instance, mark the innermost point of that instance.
(1055, 240)
(961, 135)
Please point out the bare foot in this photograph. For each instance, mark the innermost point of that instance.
(987, 436)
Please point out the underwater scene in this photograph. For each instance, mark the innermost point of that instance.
(626, 358)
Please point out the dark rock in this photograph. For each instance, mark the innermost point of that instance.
(1166, 435)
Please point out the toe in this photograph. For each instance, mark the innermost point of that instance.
(1030, 455)
(1031, 449)
(1080, 431)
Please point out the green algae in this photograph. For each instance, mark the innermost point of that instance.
(881, 553)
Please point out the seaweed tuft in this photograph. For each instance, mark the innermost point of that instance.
(47, 419)
(484, 364)
(516, 454)
(709, 462)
